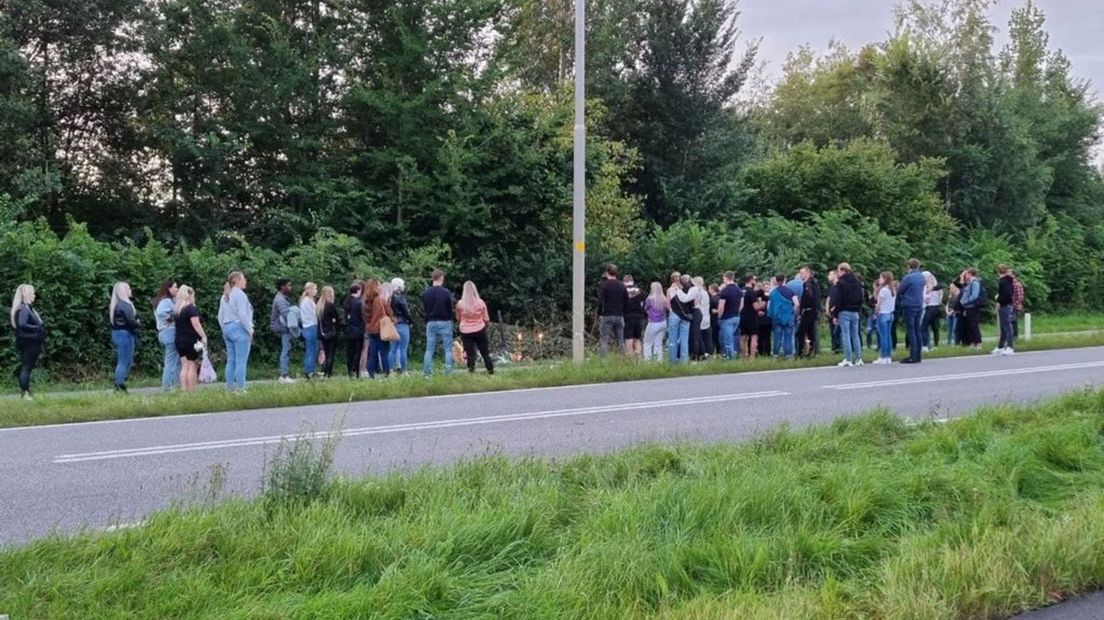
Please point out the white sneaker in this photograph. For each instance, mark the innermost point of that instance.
(996, 352)
(844, 364)
(1008, 351)
(287, 380)
(925, 350)
(858, 362)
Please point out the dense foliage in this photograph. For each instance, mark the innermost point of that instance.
(141, 139)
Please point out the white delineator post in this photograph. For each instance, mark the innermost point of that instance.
(1027, 326)
(578, 251)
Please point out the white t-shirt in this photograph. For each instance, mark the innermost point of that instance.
(308, 313)
(704, 307)
(887, 301)
(935, 298)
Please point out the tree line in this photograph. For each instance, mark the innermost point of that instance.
(443, 128)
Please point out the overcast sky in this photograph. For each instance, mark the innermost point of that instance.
(1075, 26)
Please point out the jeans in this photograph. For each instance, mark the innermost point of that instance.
(885, 342)
(783, 339)
(611, 327)
(849, 331)
(914, 328)
(378, 356)
(1007, 317)
(310, 336)
(286, 342)
(952, 329)
(438, 332)
(653, 341)
(397, 357)
(170, 373)
(124, 342)
(678, 339)
(729, 328)
(238, 344)
(30, 349)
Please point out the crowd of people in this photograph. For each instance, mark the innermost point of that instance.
(781, 316)
(777, 316)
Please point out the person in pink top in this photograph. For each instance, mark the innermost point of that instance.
(472, 314)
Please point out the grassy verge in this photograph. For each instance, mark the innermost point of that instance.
(867, 517)
(94, 406)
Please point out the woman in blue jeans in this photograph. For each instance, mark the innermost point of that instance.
(376, 306)
(165, 317)
(885, 308)
(124, 332)
(235, 317)
(399, 306)
(308, 317)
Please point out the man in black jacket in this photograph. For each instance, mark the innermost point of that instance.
(613, 298)
(808, 338)
(848, 303)
(1006, 312)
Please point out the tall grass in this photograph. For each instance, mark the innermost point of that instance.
(866, 518)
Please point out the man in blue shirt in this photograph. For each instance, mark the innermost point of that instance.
(910, 301)
(782, 308)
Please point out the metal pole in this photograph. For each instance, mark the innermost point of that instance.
(578, 252)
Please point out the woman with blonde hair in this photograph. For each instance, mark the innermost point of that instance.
(124, 332)
(886, 306)
(655, 308)
(191, 339)
(308, 313)
(473, 316)
(328, 319)
(30, 335)
(235, 317)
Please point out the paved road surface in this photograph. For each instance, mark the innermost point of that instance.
(1088, 608)
(108, 473)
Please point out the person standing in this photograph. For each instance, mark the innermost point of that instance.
(1017, 304)
(715, 319)
(438, 311)
(808, 334)
(699, 347)
(971, 301)
(612, 300)
(766, 327)
(884, 308)
(830, 312)
(848, 304)
(401, 309)
(634, 317)
(278, 323)
(473, 316)
(655, 307)
(188, 332)
(911, 299)
(124, 332)
(933, 312)
(954, 295)
(680, 299)
(376, 307)
(308, 317)
(30, 335)
(783, 307)
(750, 306)
(729, 306)
(329, 322)
(235, 318)
(165, 320)
(354, 329)
(1006, 313)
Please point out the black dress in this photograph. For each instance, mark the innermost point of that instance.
(186, 335)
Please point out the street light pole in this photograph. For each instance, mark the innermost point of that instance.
(578, 252)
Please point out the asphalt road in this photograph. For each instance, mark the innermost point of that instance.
(109, 474)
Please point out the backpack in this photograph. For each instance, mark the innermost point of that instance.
(983, 295)
(294, 321)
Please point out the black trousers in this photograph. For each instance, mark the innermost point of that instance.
(933, 316)
(972, 327)
(29, 352)
(354, 346)
(807, 332)
(766, 328)
(477, 340)
(329, 348)
(697, 345)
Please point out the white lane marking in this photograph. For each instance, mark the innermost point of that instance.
(417, 426)
(122, 526)
(964, 375)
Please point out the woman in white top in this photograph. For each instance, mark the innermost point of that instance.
(885, 307)
(933, 312)
(235, 319)
(701, 306)
(308, 315)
